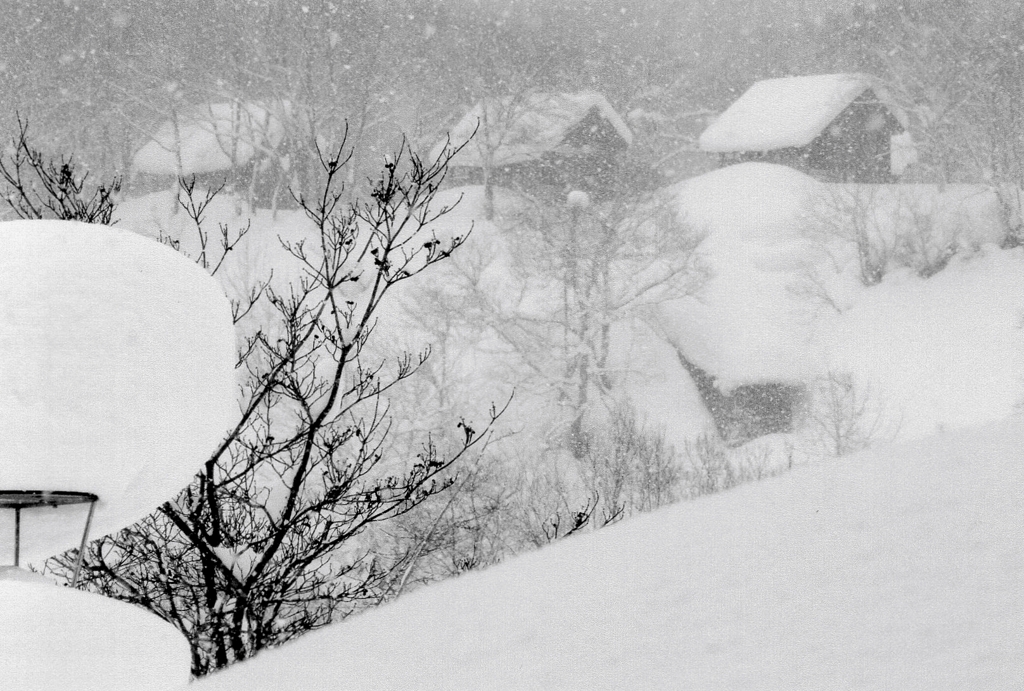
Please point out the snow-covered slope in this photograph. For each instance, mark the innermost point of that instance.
(60, 638)
(785, 300)
(900, 568)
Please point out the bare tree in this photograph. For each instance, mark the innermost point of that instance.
(879, 228)
(846, 415)
(956, 68)
(629, 469)
(39, 187)
(601, 264)
(265, 543)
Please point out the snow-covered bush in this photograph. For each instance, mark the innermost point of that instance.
(845, 415)
(921, 227)
(628, 469)
(711, 466)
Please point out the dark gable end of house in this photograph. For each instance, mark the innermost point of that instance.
(832, 127)
(855, 147)
(549, 144)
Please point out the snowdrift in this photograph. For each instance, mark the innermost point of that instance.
(896, 568)
(60, 638)
(936, 339)
(116, 376)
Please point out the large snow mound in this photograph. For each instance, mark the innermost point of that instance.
(783, 112)
(897, 568)
(746, 324)
(785, 300)
(116, 375)
(938, 353)
(59, 638)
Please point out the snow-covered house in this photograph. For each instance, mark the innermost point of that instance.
(243, 144)
(832, 126)
(539, 141)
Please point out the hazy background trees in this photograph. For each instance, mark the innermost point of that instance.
(98, 78)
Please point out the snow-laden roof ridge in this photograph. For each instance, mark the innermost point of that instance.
(784, 112)
(214, 136)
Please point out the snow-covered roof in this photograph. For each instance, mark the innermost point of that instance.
(784, 112)
(213, 137)
(521, 129)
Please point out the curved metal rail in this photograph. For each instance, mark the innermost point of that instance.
(20, 499)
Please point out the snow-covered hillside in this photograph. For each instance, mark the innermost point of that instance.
(784, 301)
(895, 568)
(898, 568)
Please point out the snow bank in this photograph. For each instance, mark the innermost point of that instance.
(785, 301)
(59, 638)
(899, 568)
(746, 324)
(938, 353)
(784, 112)
(116, 375)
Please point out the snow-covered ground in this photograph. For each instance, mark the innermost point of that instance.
(898, 568)
(785, 302)
(61, 638)
(116, 376)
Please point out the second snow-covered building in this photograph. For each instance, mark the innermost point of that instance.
(555, 141)
(832, 126)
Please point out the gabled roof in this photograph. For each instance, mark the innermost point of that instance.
(779, 113)
(518, 130)
(213, 137)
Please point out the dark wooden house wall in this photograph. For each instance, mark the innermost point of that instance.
(587, 159)
(855, 147)
(750, 410)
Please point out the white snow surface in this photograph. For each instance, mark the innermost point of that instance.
(60, 638)
(746, 325)
(782, 112)
(518, 130)
(214, 137)
(116, 375)
(938, 353)
(784, 304)
(896, 568)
